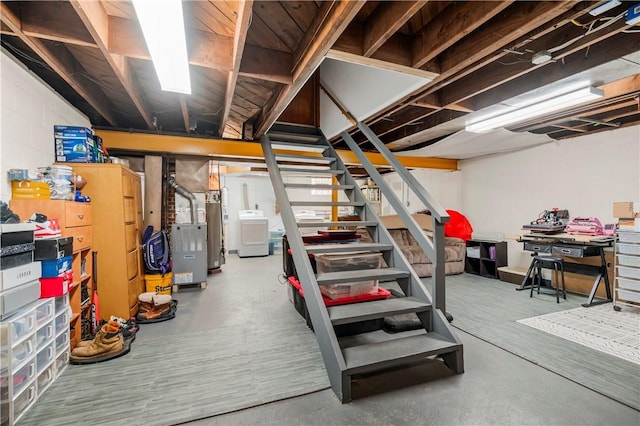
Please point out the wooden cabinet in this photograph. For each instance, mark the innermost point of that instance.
(75, 220)
(485, 257)
(115, 193)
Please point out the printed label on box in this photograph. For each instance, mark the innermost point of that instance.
(183, 278)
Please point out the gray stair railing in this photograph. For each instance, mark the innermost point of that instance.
(341, 359)
(433, 249)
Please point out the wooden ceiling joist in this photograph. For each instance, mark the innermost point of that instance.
(456, 21)
(96, 20)
(497, 34)
(241, 25)
(617, 46)
(323, 33)
(60, 60)
(385, 21)
(494, 77)
(185, 112)
(37, 22)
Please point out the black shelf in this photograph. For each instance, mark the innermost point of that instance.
(486, 257)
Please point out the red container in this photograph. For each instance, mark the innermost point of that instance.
(382, 293)
(56, 286)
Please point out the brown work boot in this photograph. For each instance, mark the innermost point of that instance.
(113, 325)
(108, 341)
(145, 301)
(154, 313)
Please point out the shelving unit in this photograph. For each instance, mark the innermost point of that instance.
(75, 220)
(35, 344)
(627, 283)
(373, 196)
(116, 196)
(485, 257)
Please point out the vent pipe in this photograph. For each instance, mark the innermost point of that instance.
(188, 195)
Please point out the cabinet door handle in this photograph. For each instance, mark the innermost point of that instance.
(80, 238)
(536, 248)
(565, 250)
(80, 215)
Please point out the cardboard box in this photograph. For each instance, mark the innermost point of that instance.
(56, 286)
(72, 132)
(513, 275)
(74, 144)
(393, 221)
(626, 209)
(629, 224)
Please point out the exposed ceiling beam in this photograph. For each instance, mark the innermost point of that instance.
(616, 47)
(37, 22)
(451, 74)
(265, 64)
(617, 94)
(455, 22)
(373, 62)
(184, 108)
(243, 18)
(424, 123)
(95, 19)
(386, 19)
(317, 41)
(60, 60)
(240, 150)
(206, 50)
(493, 77)
(518, 20)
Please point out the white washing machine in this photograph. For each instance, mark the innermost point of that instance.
(254, 233)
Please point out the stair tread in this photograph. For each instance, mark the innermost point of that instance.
(354, 312)
(282, 136)
(328, 203)
(305, 158)
(339, 223)
(317, 186)
(314, 171)
(294, 146)
(358, 275)
(396, 351)
(347, 247)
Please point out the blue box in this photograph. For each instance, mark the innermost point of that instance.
(72, 132)
(56, 267)
(73, 144)
(74, 150)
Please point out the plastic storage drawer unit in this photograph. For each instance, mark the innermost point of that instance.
(327, 263)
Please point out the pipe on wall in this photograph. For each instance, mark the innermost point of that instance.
(188, 195)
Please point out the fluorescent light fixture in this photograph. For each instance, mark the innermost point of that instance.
(604, 7)
(163, 29)
(534, 110)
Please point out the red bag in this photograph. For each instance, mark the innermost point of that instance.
(458, 226)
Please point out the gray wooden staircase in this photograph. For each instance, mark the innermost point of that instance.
(301, 151)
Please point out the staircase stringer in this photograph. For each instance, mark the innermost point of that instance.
(325, 334)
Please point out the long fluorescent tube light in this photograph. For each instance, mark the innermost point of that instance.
(535, 110)
(604, 7)
(163, 29)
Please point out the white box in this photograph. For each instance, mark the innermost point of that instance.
(473, 252)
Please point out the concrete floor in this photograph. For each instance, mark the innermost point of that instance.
(496, 388)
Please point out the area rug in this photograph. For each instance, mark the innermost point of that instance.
(188, 376)
(598, 327)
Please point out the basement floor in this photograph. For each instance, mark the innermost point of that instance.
(497, 388)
